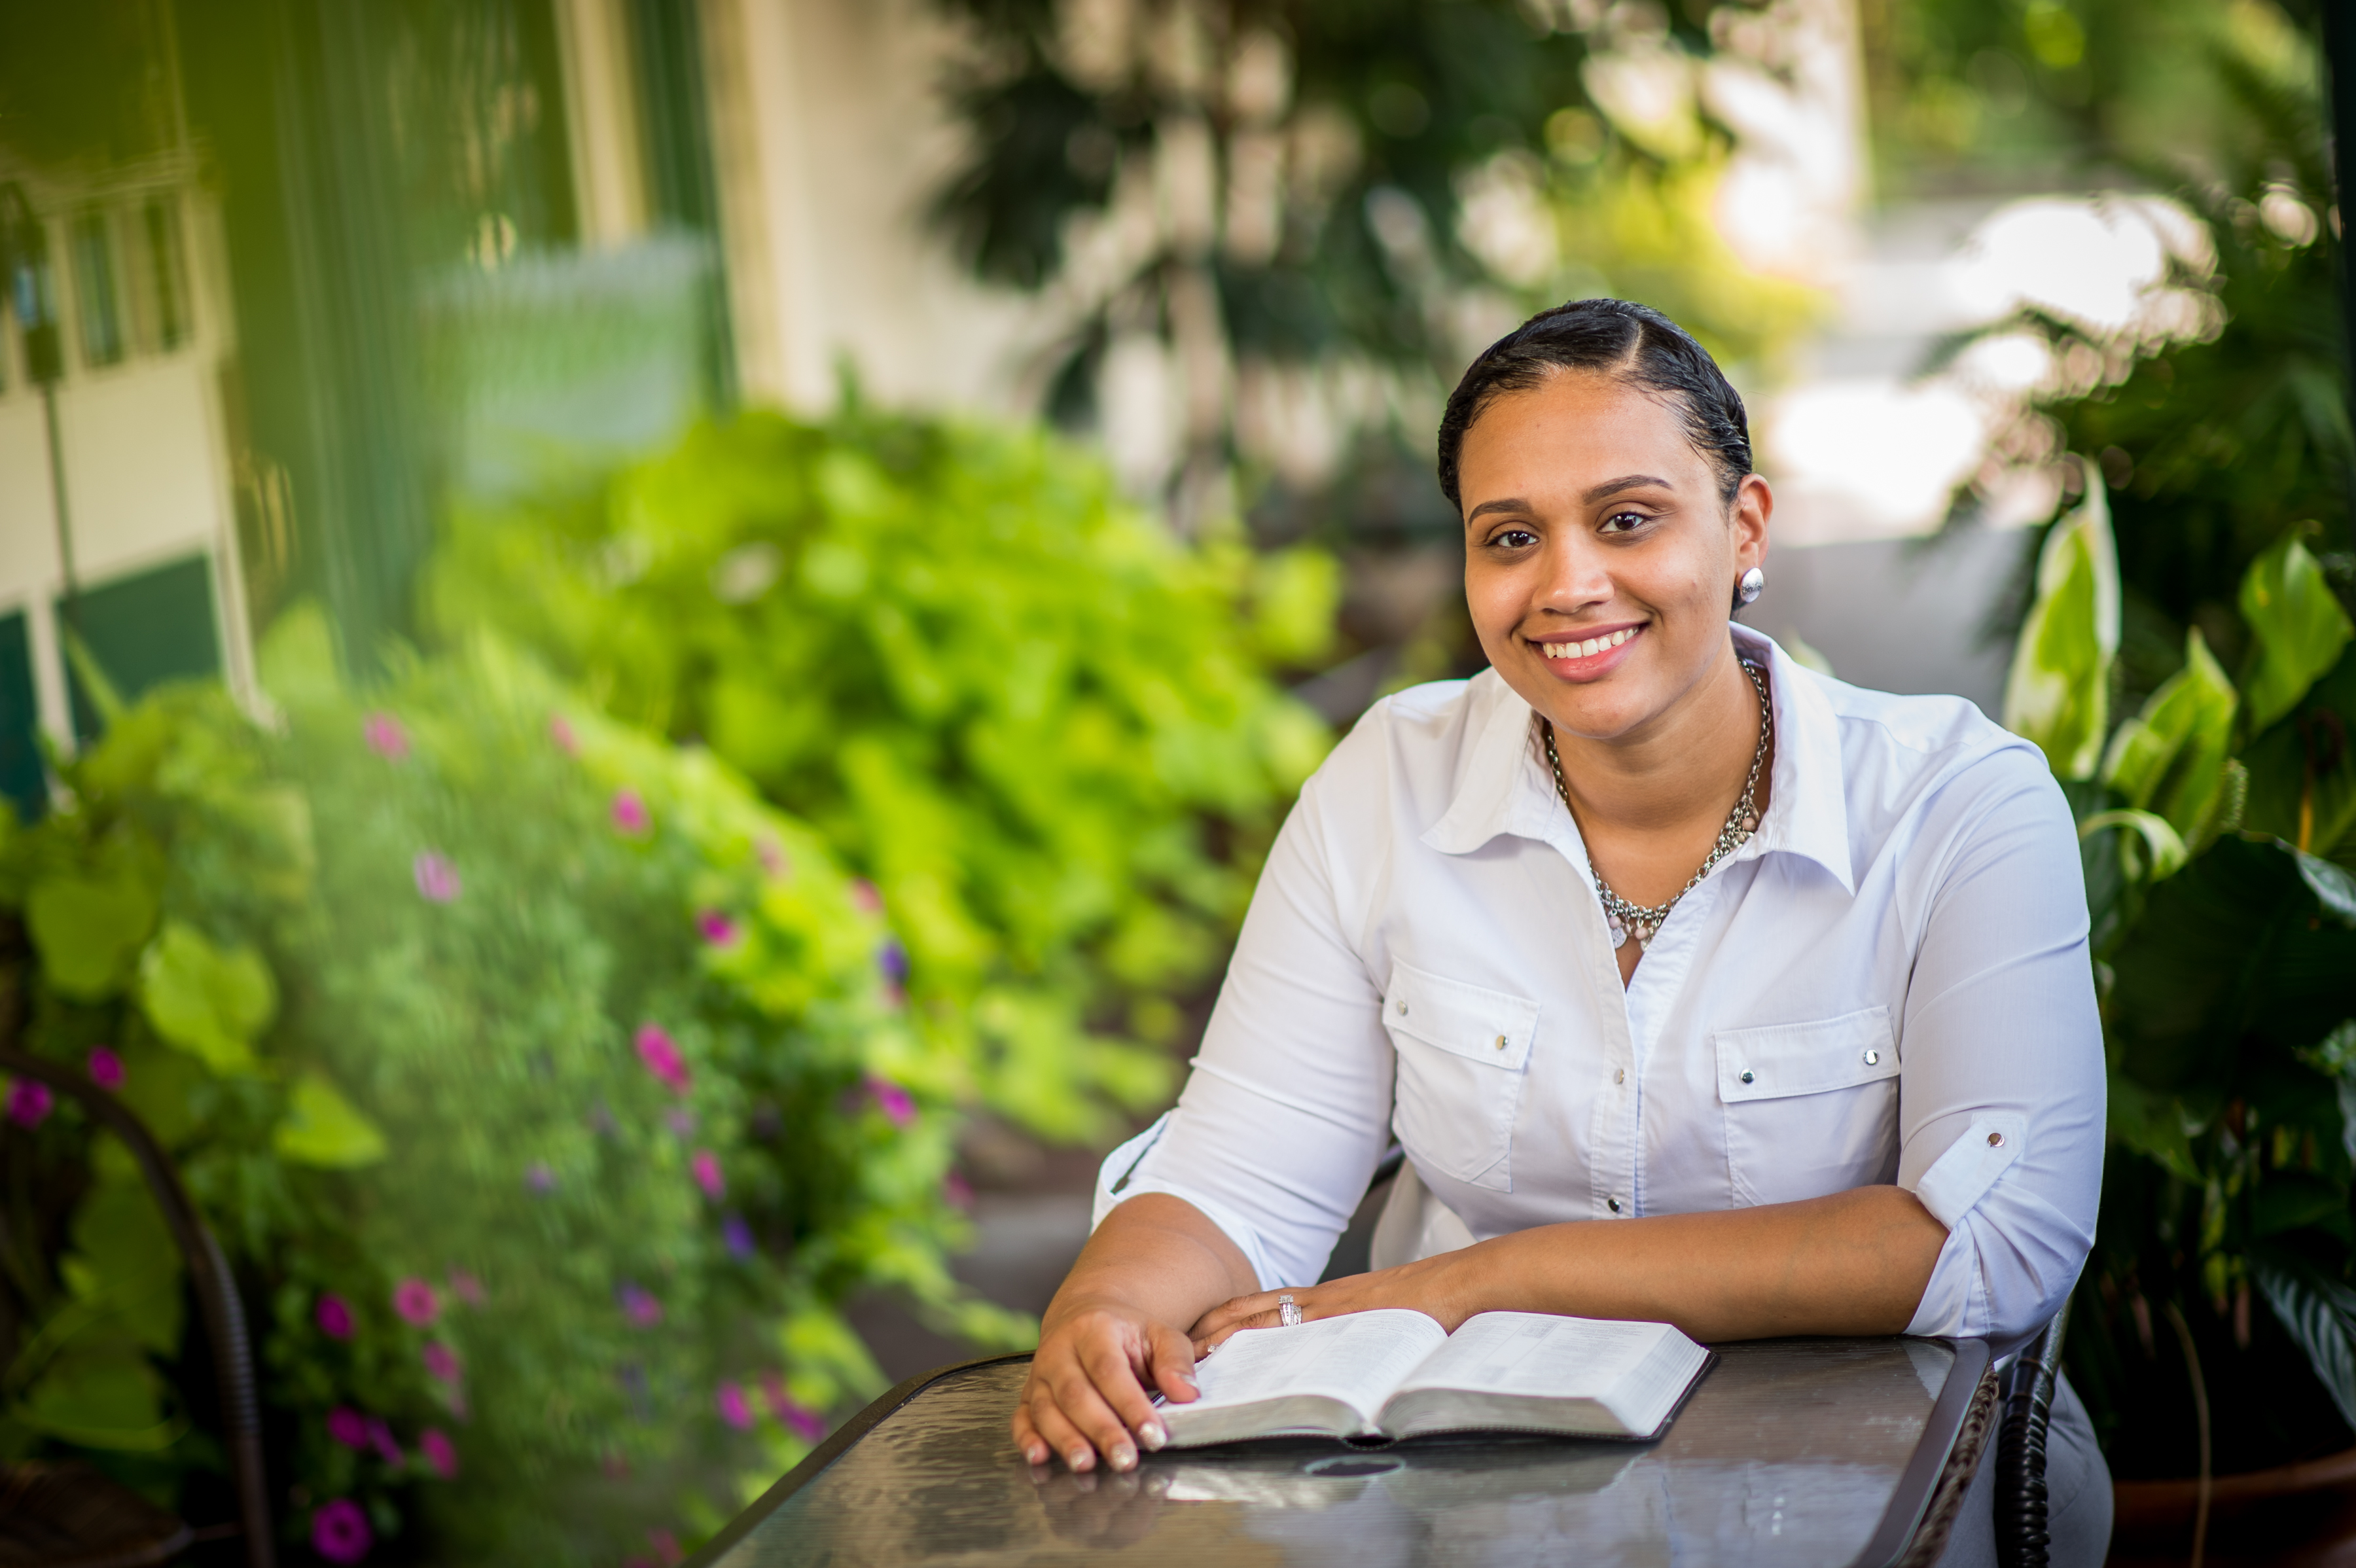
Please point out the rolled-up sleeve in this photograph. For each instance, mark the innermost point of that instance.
(1287, 1112)
(2001, 1094)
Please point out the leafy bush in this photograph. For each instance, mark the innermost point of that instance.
(1045, 728)
(549, 1090)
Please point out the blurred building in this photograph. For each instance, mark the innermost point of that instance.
(297, 276)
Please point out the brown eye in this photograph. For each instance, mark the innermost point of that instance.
(1624, 521)
(1513, 539)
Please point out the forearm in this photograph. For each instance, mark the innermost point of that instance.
(1853, 1263)
(1156, 1255)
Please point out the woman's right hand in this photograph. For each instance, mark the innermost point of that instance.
(1090, 1388)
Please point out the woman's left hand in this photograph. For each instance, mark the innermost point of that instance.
(1439, 1287)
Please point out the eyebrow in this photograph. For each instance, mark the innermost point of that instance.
(1604, 491)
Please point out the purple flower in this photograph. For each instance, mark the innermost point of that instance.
(441, 1361)
(437, 879)
(895, 1101)
(639, 1306)
(386, 737)
(661, 1055)
(339, 1532)
(439, 1452)
(465, 1288)
(732, 1408)
(893, 960)
(680, 1119)
(630, 813)
(706, 1167)
(413, 1299)
(333, 1316)
(718, 927)
(807, 1423)
(105, 1068)
(864, 898)
(380, 1438)
(738, 1237)
(348, 1427)
(561, 733)
(539, 1178)
(30, 1103)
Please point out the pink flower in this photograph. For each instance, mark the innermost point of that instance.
(895, 1101)
(413, 1299)
(465, 1288)
(333, 1316)
(339, 1532)
(661, 1055)
(666, 1547)
(30, 1103)
(630, 813)
(386, 737)
(639, 1307)
(105, 1068)
(437, 879)
(773, 860)
(348, 1427)
(732, 1408)
(441, 1361)
(439, 1452)
(706, 1165)
(718, 928)
(807, 1424)
(380, 1438)
(864, 898)
(561, 733)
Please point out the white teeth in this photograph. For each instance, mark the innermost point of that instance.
(1589, 649)
(1618, 638)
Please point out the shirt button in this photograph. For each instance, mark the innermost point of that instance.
(1612, 1204)
(1873, 1059)
(1620, 1074)
(1747, 1075)
(1402, 1007)
(1501, 1042)
(1996, 1140)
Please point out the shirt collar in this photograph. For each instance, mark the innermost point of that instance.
(1506, 788)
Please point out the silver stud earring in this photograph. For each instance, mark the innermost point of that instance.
(1753, 584)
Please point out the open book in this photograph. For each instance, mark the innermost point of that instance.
(1396, 1373)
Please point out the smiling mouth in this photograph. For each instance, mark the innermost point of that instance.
(1589, 647)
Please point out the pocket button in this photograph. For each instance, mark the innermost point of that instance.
(1873, 1059)
(1747, 1075)
(1501, 1042)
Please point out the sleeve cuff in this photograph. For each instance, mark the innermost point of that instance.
(1959, 1178)
(1122, 1177)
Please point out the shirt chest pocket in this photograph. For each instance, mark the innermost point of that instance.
(1810, 1109)
(1463, 1054)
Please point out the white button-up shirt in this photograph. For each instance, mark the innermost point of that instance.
(1888, 982)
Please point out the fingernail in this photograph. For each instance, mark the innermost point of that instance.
(1124, 1457)
(1078, 1459)
(1188, 1379)
(1152, 1436)
(1036, 1454)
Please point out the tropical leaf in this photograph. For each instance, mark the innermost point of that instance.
(322, 1128)
(2159, 838)
(2321, 1314)
(2299, 626)
(208, 1001)
(2334, 887)
(2171, 757)
(2058, 692)
(87, 927)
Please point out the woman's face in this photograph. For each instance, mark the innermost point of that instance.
(1599, 559)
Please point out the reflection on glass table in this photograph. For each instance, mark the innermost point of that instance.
(1805, 1452)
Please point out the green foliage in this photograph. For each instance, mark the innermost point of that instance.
(2229, 1000)
(1044, 729)
(2058, 692)
(549, 1090)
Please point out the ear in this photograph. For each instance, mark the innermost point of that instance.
(1754, 504)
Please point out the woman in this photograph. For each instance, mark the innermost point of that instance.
(1697, 987)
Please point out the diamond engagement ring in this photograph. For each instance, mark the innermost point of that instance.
(1288, 1314)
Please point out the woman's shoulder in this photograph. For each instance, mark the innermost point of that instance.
(1903, 749)
(1419, 742)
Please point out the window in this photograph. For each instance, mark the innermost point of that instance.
(143, 630)
(97, 299)
(22, 783)
(168, 273)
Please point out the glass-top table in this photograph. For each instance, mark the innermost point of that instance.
(1803, 1452)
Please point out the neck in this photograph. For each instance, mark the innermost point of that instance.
(1686, 763)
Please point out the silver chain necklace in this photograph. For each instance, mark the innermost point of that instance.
(1740, 823)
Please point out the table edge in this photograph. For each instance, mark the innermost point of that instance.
(1919, 1482)
(828, 1450)
(1916, 1484)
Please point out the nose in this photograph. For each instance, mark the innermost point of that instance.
(1577, 577)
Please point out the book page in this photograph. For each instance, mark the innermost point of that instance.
(1533, 1353)
(1357, 1358)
